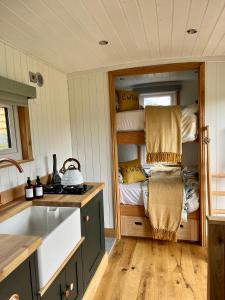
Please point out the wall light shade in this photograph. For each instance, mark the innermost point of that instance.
(36, 78)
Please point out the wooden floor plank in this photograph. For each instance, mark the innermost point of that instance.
(143, 269)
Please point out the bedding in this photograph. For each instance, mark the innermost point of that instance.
(131, 193)
(137, 193)
(134, 121)
(165, 203)
(163, 134)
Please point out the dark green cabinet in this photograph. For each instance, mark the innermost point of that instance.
(92, 228)
(69, 283)
(21, 282)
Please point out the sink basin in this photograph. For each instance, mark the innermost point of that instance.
(59, 228)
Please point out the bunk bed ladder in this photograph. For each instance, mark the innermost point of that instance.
(210, 176)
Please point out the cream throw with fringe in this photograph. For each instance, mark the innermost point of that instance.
(163, 134)
(165, 204)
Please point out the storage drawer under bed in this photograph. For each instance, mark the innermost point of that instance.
(140, 227)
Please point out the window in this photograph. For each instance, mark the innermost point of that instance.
(165, 98)
(15, 135)
(10, 144)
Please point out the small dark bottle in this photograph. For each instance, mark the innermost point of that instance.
(29, 190)
(38, 189)
(56, 179)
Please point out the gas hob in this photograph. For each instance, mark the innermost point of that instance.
(70, 189)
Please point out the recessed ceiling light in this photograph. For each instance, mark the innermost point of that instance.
(191, 31)
(103, 42)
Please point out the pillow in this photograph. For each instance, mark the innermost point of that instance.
(128, 100)
(132, 171)
(120, 177)
(189, 110)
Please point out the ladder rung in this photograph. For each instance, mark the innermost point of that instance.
(219, 175)
(218, 211)
(218, 193)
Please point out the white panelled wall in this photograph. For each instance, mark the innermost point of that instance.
(215, 118)
(91, 136)
(49, 116)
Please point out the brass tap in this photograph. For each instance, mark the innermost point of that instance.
(12, 162)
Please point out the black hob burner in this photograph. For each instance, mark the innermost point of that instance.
(69, 189)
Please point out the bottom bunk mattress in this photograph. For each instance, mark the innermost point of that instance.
(131, 193)
(137, 194)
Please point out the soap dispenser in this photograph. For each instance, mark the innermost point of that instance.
(29, 190)
(38, 189)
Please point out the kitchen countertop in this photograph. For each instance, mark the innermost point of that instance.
(16, 248)
(70, 200)
(13, 207)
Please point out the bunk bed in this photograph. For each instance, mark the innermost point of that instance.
(130, 218)
(133, 220)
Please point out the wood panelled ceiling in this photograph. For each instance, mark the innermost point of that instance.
(66, 33)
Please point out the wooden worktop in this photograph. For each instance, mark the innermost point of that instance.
(70, 200)
(14, 249)
(10, 209)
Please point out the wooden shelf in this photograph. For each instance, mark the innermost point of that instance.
(136, 137)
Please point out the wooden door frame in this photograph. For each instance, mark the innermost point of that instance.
(159, 69)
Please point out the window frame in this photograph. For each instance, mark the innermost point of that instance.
(15, 150)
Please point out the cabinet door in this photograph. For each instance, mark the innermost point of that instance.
(19, 283)
(69, 283)
(57, 288)
(92, 228)
(74, 277)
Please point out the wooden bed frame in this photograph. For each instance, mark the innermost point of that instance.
(126, 218)
(135, 137)
(139, 211)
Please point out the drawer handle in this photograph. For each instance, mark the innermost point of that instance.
(86, 218)
(181, 226)
(138, 223)
(14, 297)
(69, 288)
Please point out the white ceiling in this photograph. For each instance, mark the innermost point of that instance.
(65, 33)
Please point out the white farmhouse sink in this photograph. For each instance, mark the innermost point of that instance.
(59, 228)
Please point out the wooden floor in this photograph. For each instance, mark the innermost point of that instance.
(146, 269)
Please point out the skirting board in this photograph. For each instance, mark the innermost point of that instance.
(110, 232)
(93, 285)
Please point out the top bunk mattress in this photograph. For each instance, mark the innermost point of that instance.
(133, 120)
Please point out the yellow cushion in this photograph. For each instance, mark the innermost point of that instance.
(132, 171)
(128, 100)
